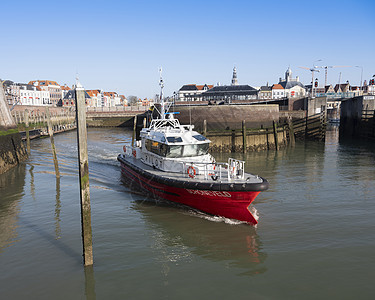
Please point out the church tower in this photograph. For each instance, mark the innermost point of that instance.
(288, 75)
(234, 77)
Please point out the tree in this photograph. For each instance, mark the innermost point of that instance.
(132, 100)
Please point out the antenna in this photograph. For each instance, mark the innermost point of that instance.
(161, 83)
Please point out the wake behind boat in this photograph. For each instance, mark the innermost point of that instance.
(171, 161)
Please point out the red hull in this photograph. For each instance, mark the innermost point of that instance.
(229, 204)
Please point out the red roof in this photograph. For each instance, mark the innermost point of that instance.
(277, 87)
(93, 93)
(43, 82)
(200, 87)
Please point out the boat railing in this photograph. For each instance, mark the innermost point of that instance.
(233, 169)
(237, 168)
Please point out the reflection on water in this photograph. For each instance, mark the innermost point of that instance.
(89, 283)
(32, 184)
(240, 246)
(10, 204)
(57, 209)
(316, 229)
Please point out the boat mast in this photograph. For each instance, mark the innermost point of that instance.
(161, 83)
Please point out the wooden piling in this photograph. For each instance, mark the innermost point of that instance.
(204, 127)
(275, 135)
(292, 140)
(144, 122)
(27, 131)
(233, 141)
(134, 130)
(244, 136)
(84, 176)
(50, 132)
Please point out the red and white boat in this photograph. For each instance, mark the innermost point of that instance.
(171, 161)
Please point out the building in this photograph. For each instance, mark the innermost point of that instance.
(192, 92)
(230, 93)
(97, 98)
(265, 92)
(69, 99)
(33, 95)
(293, 88)
(342, 87)
(124, 101)
(52, 87)
(12, 92)
(113, 99)
(64, 90)
(278, 91)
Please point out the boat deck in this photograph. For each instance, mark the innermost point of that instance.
(248, 182)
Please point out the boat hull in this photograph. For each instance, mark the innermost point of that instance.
(227, 203)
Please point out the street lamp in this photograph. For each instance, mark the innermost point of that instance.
(361, 75)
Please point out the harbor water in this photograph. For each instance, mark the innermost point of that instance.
(315, 238)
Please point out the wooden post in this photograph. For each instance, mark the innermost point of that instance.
(134, 130)
(144, 122)
(27, 131)
(306, 125)
(84, 175)
(244, 136)
(292, 139)
(275, 135)
(50, 132)
(204, 127)
(233, 147)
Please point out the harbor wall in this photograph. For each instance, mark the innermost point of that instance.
(253, 140)
(228, 117)
(357, 117)
(62, 119)
(12, 149)
(240, 128)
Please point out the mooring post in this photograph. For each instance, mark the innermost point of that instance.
(84, 175)
(244, 136)
(144, 122)
(292, 139)
(275, 135)
(134, 130)
(27, 131)
(204, 127)
(50, 132)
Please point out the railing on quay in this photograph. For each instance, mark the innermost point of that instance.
(117, 109)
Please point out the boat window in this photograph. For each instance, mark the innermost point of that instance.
(195, 150)
(155, 147)
(174, 151)
(163, 150)
(174, 139)
(203, 149)
(187, 150)
(199, 137)
(148, 145)
(190, 150)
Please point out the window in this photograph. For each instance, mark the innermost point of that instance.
(199, 137)
(173, 139)
(174, 151)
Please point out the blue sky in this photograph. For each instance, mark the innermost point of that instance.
(120, 45)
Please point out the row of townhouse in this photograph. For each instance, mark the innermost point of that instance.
(96, 98)
(48, 92)
(288, 87)
(26, 94)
